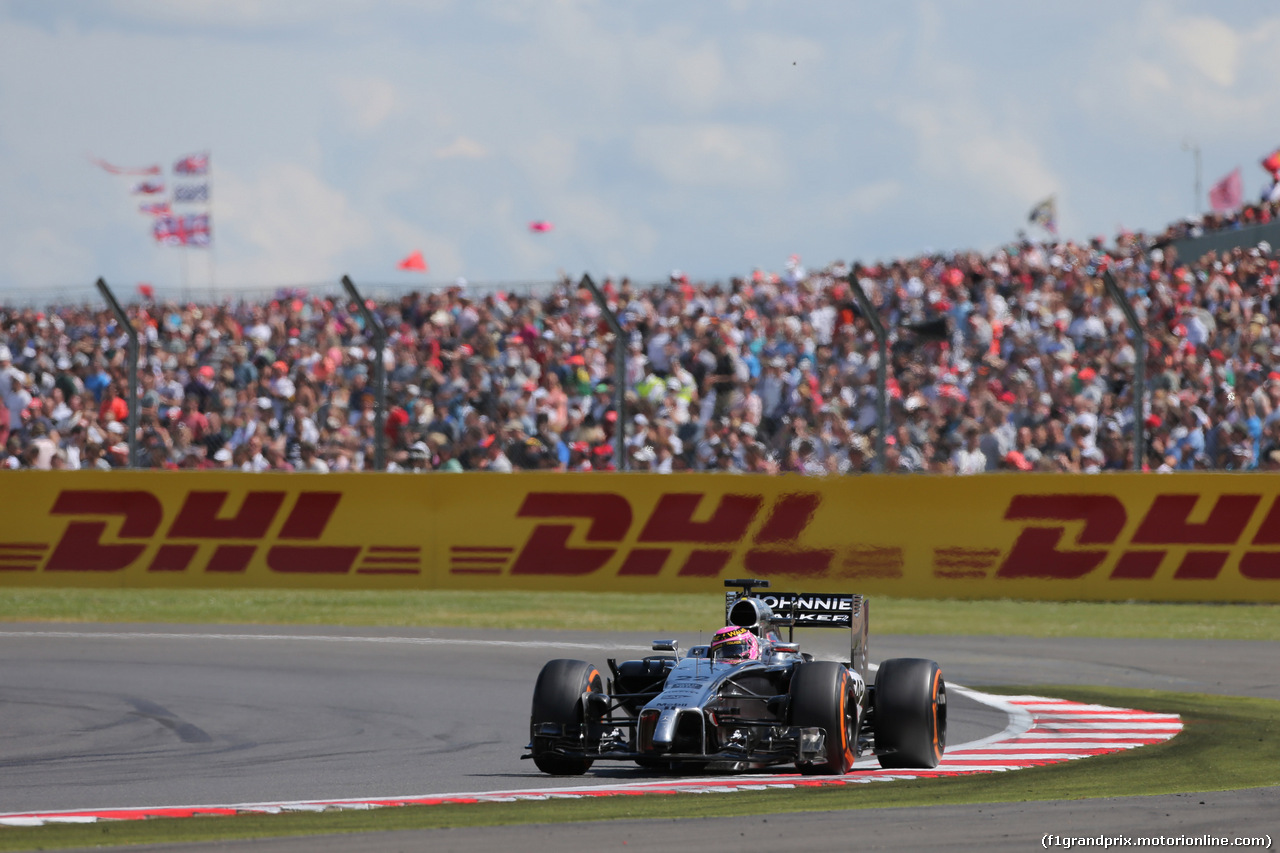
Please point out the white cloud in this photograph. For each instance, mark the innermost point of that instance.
(248, 13)
(462, 148)
(694, 79)
(711, 155)
(256, 15)
(369, 101)
(547, 159)
(42, 258)
(1148, 80)
(870, 199)
(284, 225)
(768, 69)
(1184, 73)
(710, 136)
(961, 144)
(597, 234)
(1206, 44)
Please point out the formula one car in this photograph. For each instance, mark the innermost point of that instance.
(739, 710)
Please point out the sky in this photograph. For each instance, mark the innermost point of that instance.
(713, 137)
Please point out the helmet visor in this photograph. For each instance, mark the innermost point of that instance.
(733, 650)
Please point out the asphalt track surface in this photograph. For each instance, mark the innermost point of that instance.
(116, 716)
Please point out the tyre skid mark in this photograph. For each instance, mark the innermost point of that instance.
(1042, 731)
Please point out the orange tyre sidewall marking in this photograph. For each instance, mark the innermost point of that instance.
(592, 678)
(844, 728)
(937, 750)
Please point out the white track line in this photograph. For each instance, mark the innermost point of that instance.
(958, 761)
(317, 638)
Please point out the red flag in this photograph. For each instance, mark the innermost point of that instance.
(1272, 162)
(124, 170)
(1227, 194)
(146, 291)
(415, 262)
(540, 226)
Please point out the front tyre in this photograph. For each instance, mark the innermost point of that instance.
(910, 713)
(557, 698)
(822, 695)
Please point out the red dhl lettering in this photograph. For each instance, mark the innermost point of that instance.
(1041, 552)
(204, 519)
(684, 534)
(605, 520)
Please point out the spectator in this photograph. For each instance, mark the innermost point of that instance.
(758, 374)
(968, 457)
(311, 462)
(93, 458)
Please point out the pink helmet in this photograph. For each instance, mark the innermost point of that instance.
(734, 645)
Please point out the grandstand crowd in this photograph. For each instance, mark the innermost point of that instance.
(1014, 360)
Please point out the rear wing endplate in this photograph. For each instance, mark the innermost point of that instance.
(818, 610)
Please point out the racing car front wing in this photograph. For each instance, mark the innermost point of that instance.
(752, 742)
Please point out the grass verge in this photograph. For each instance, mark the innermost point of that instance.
(623, 612)
(1228, 743)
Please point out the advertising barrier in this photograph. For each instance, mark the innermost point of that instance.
(1206, 537)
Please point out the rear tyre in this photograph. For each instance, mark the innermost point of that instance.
(822, 695)
(557, 698)
(911, 713)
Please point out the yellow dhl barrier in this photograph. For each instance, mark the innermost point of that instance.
(1210, 537)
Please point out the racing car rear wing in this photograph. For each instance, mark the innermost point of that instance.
(811, 610)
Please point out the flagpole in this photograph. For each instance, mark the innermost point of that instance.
(186, 293)
(182, 233)
(213, 279)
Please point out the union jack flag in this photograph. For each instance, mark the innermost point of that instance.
(191, 192)
(148, 188)
(194, 164)
(190, 230)
(156, 208)
(197, 228)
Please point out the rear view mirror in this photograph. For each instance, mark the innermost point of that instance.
(666, 646)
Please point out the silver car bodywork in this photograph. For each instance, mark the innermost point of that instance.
(673, 711)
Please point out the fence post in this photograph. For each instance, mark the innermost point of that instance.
(620, 460)
(1139, 366)
(374, 328)
(131, 352)
(882, 359)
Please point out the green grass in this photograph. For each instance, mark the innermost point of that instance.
(1228, 743)
(624, 612)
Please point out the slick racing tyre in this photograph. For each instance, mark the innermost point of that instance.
(822, 695)
(910, 713)
(557, 698)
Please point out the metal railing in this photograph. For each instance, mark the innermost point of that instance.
(882, 358)
(373, 328)
(131, 350)
(620, 461)
(377, 336)
(1139, 366)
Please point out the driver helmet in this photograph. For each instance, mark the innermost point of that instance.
(734, 645)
